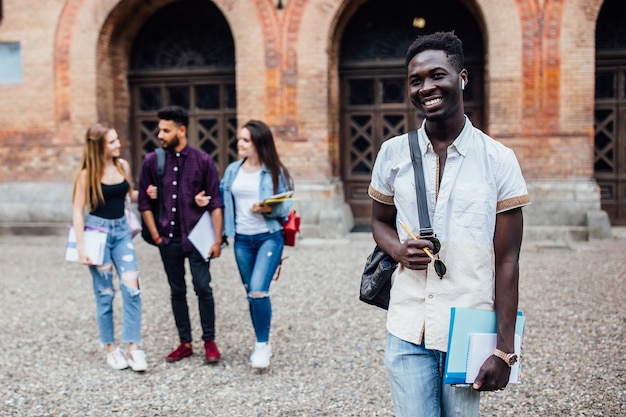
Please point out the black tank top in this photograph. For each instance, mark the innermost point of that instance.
(114, 200)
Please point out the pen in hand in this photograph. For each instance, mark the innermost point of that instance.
(416, 238)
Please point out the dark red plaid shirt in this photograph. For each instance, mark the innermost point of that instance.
(186, 174)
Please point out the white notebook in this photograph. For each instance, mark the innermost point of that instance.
(202, 236)
(94, 241)
(481, 346)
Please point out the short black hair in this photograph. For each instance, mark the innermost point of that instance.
(174, 113)
(438, 41)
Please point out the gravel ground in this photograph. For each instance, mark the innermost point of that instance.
(328, 346)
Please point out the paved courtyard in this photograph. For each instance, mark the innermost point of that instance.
(328, 345)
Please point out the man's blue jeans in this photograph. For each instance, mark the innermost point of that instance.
(258, 257)
(417, 388)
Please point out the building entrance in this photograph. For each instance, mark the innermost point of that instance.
(184, 55)
(374, 100)
(610, 110)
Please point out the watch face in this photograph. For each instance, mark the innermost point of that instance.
(512, 360)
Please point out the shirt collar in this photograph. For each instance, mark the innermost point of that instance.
(263, 166)
(461, 143)
(183, 152)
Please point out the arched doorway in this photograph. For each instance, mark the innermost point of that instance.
(610, 109)
(373, 94)
(184, 55)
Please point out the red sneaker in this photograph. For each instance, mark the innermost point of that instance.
(211, 351)
(181, 351)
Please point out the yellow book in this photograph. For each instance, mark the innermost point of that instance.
(278, 198)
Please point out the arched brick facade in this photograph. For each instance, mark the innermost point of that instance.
(539, 89)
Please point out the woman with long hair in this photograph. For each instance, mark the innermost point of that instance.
(100, 191)
(256, 227)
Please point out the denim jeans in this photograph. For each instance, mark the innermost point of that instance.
(173, 257)
(258, 257)
(119, 253)
(417, 388)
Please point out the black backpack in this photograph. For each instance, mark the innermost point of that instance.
(157, 205)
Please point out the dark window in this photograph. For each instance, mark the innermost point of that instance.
(384, 29)
(202, 39)
(184, 55)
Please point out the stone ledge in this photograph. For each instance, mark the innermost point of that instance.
(564, 234)
(33, 228)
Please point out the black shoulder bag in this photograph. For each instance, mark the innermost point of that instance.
(157, 205)
(376, 277)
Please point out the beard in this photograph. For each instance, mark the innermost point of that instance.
(172, 144)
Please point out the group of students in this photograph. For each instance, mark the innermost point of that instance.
(475, 193)
(171, 203)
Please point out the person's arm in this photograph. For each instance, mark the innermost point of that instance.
(409, 253)
(494, 374)
(78, 219)
(215, 206)
(150, 223)
(143, 202)
(134, 194)
(217, 218)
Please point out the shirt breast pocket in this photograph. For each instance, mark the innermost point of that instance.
(473, 207)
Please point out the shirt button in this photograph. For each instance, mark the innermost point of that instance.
(177, 154)
(174, 196)
(172, 222)
(430, 296)
(175, 169)
(171, 234)
(174, 182)
(173, 209)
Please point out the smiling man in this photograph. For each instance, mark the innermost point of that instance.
(190, 188)
(474, 191)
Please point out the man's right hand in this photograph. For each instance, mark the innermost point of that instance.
(152, 191)
(412, 255)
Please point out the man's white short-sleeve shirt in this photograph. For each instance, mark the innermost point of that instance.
(482, 177)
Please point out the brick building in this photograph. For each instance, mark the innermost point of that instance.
(547, 78)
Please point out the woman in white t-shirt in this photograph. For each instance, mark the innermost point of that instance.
(256, 227)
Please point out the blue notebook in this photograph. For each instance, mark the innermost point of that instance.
(464, 321)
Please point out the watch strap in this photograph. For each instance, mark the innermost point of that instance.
(506, 357)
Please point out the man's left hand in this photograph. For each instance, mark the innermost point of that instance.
(202, 200)
(216, 250)
(493, 375)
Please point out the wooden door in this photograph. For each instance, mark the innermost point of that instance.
(212, 114)
(610, 139)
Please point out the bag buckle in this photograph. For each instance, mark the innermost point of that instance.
(429, 234)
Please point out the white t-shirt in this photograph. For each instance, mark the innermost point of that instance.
(245, 191)
(481, 178)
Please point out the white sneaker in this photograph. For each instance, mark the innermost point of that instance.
(116, 359)
(260, 358)
(137, 360)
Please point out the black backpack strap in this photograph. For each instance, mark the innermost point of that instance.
(420, 186)
(160, 153)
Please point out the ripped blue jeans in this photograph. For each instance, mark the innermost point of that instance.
(258, 257)
(119, 253)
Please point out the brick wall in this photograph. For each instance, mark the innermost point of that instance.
(539, 80)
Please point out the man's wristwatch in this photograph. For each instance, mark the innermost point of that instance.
(508, 358)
